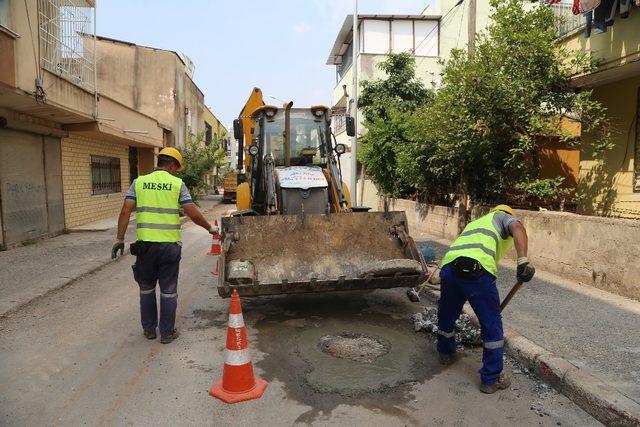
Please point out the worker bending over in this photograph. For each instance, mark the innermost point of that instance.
(469, 272)
(157, 198)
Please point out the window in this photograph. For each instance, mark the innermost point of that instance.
(4, 13)
(105, 175)
(338, 122)
(399, 35)
(426, 38)
(402, 36)
(374, 37)
(207, 134)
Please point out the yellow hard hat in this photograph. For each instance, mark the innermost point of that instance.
(173, 153)
(504, 208)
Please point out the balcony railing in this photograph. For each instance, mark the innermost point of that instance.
(66, 45)
(568, 23)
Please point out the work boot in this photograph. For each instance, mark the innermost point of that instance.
(168, 338)
(504, 381)
(447, 359)
(150, 334)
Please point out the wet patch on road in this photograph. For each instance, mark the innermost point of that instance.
(335, 349)
(204, 319)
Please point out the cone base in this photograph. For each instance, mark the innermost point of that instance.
(253, 393)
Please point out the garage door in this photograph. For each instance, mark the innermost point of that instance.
(29, 167)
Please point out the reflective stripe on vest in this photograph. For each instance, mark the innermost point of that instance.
(157, 207)
(480, 240)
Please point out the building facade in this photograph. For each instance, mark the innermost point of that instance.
(429, 36)
(68, 150)
(611, 187)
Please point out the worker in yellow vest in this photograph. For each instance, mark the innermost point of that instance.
(157, 198)
(468, 273)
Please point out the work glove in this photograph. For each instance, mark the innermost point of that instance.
(118, 246)
(214, 229)
(525, 271)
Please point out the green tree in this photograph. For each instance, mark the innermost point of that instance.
(478, 136)
(201, 160)
(385, 104)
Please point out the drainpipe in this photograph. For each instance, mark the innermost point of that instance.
(354, 140)
(95, 64)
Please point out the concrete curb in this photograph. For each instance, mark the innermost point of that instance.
(595, 397)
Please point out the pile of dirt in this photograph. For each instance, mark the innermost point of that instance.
(467, 333)
(356, 347)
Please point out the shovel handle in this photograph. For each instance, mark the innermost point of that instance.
(510, 295)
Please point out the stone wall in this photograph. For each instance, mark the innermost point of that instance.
(595, 251)
(80, 205)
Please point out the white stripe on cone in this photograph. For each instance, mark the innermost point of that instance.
(236, 357)
(236, 321)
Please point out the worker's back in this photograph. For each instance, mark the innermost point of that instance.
(157, 207)
(485, 240)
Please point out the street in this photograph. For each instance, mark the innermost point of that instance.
(78, 356)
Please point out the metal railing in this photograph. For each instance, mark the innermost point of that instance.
(66, 30)
(568, 23)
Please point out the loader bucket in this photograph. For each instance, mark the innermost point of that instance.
(283, 254)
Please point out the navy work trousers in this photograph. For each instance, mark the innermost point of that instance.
(159, 263)
(482, 294)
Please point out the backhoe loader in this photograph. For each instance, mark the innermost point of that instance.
(295, 229)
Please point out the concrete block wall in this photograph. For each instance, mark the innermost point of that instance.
(595, 251)
(434, 220)
(80, 205)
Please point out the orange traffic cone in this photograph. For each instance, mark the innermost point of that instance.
(215, 243)
(238, 382)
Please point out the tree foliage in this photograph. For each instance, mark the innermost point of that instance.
(201, 160)
(478, 134)
(384, 104)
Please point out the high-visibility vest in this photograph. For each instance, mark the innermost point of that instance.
(157, 207)
(480, 240)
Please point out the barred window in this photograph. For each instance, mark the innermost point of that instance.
(105, 175)
(338, 121)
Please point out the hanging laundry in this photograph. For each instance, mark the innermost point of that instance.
(584, 6)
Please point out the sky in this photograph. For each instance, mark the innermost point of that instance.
(280, 46)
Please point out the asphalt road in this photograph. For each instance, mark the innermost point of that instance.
(78, 357)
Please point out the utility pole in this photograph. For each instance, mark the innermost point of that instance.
(471, 45)
(354, 94)
(471, 49)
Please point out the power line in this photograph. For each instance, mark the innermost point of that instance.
(436, 27)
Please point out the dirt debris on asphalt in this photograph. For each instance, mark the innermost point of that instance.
(467, 333)
(357, 347)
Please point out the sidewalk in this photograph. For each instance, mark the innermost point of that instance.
(590, 328)
(29, 272)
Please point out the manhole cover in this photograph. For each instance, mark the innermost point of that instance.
(356, 347)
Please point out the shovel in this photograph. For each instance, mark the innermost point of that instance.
(510, 295)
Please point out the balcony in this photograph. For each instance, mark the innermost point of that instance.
(568, 23)
(66, 43)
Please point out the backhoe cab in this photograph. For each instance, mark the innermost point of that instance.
(293, 165)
